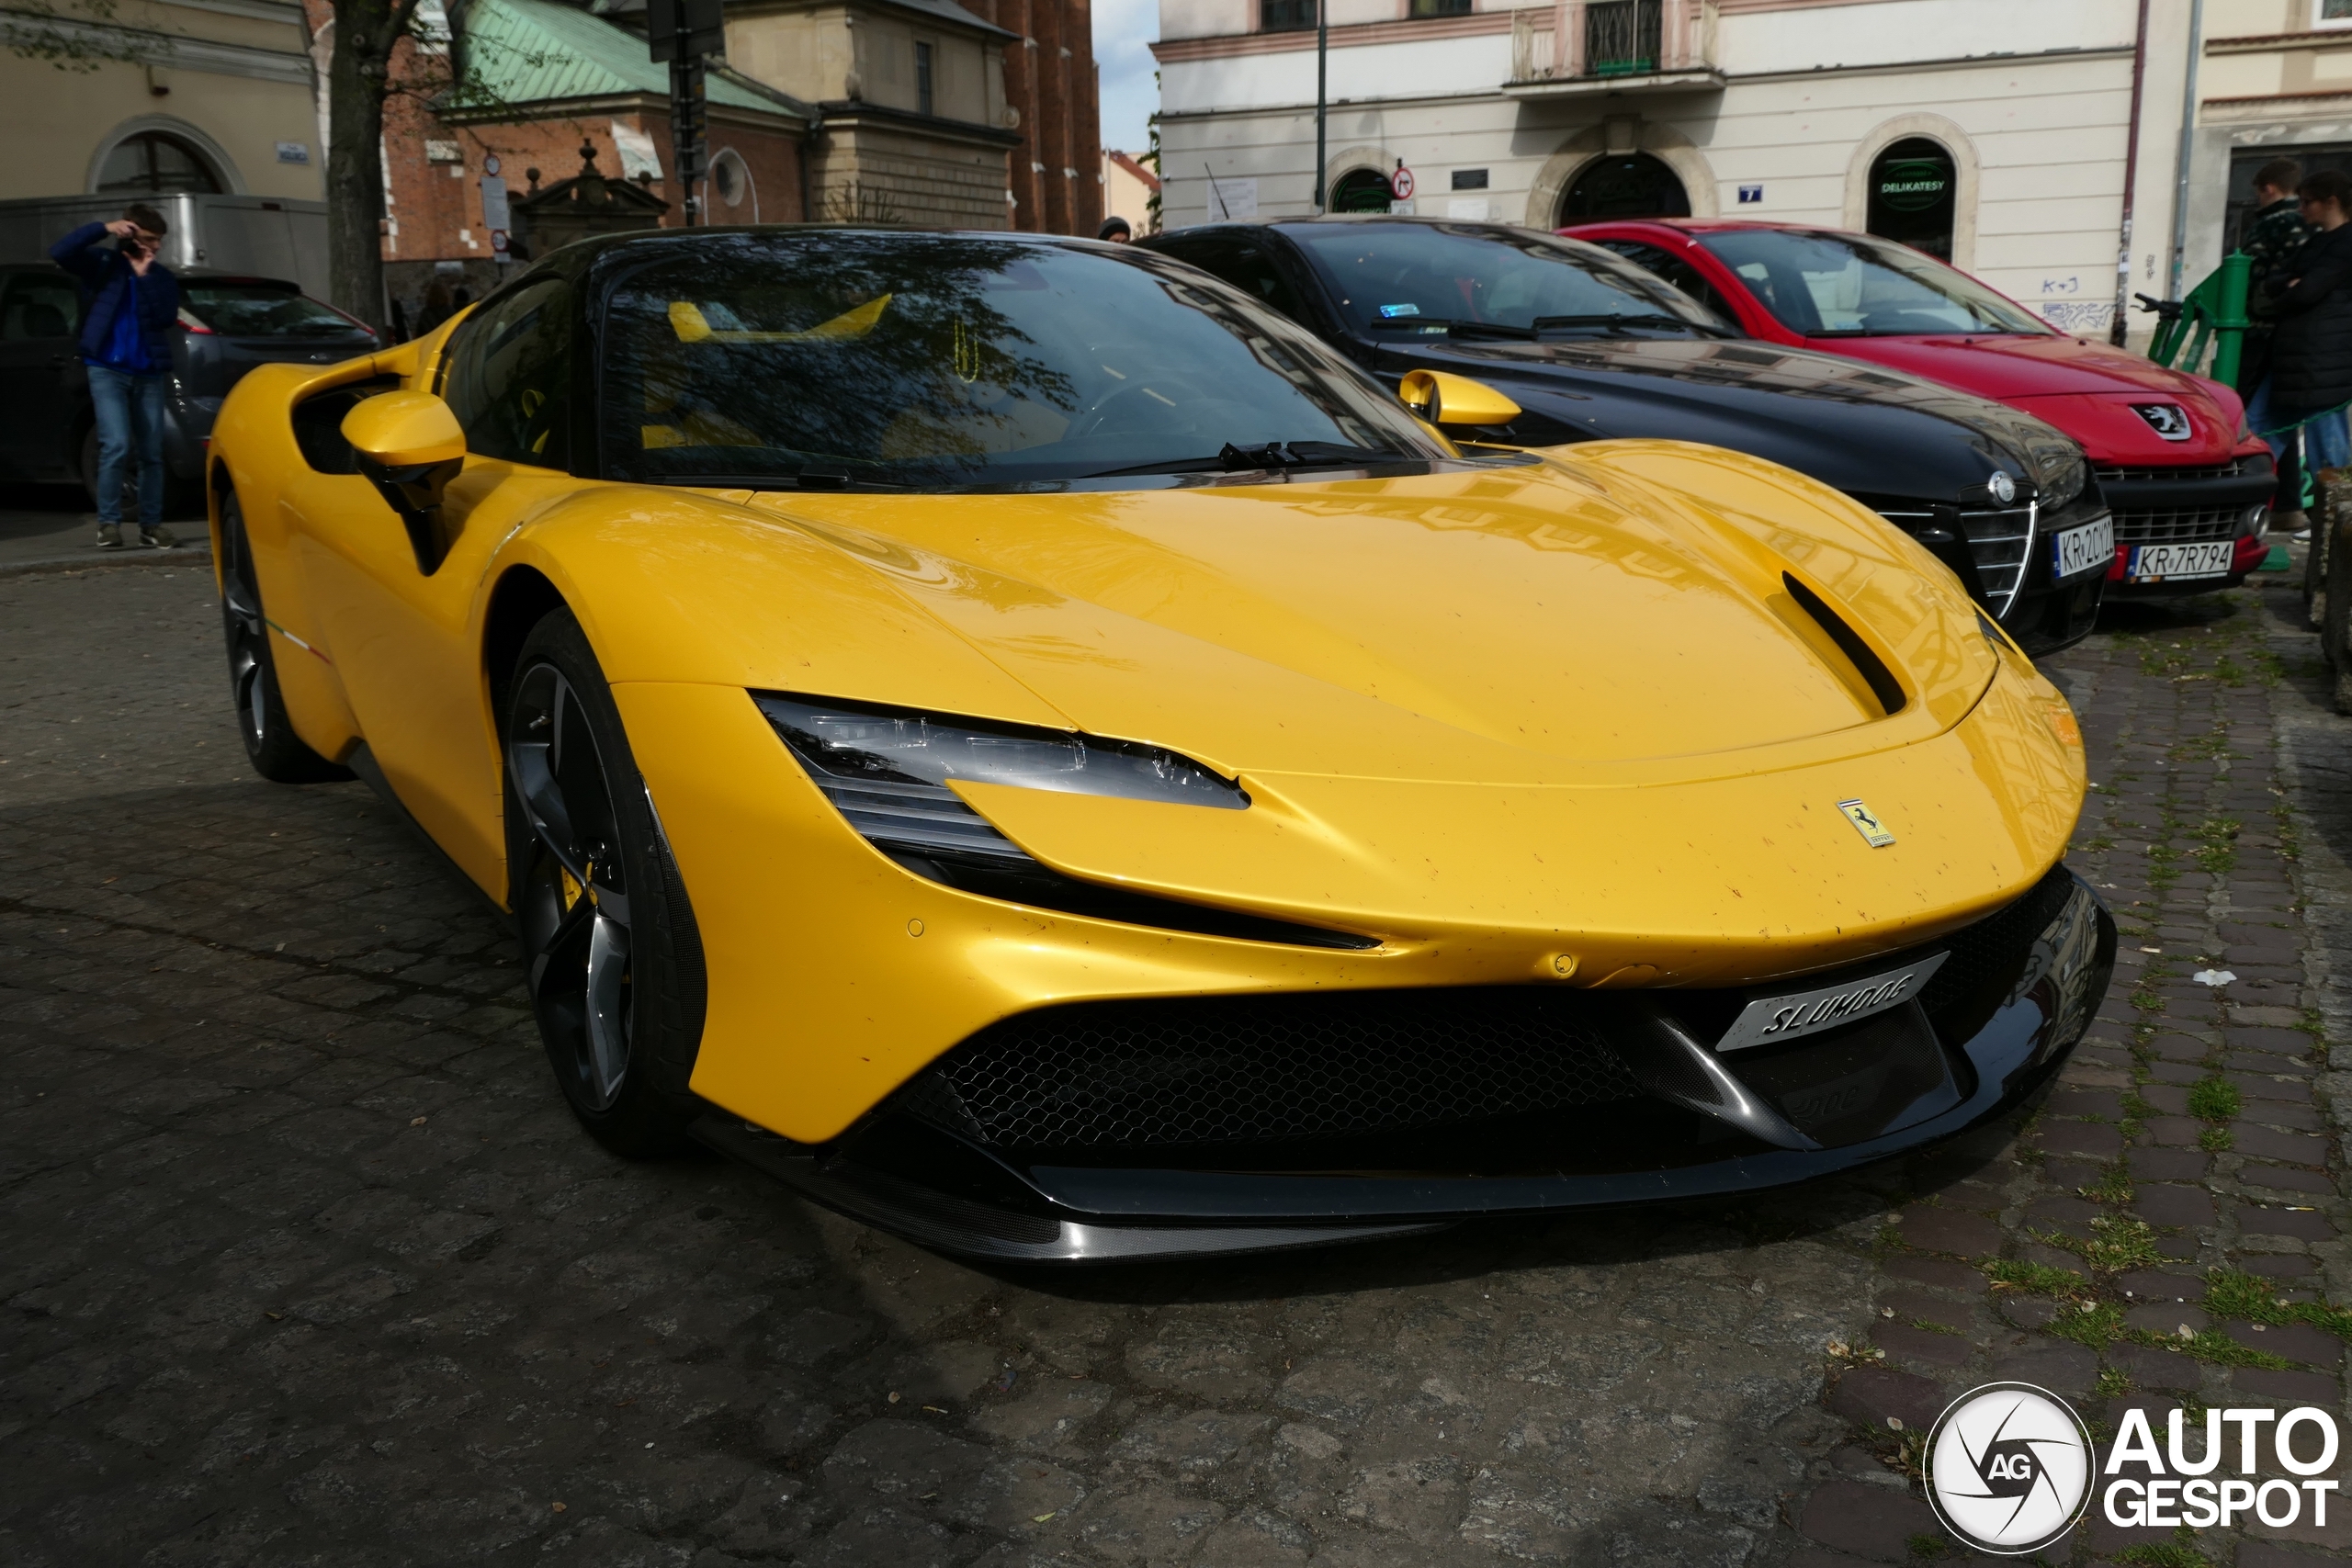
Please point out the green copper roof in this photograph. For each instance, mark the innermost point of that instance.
(527, 52)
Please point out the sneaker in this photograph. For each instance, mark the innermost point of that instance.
(158, 537)
(110, 537)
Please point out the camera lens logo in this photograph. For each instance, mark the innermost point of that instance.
(2010, 1468)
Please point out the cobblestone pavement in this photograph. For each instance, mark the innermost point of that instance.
(304, 1262)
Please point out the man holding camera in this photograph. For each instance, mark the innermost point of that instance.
(131, 303)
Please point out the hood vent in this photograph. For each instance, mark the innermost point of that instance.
(1865, 660)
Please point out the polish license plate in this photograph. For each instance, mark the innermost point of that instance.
(2168, 563)
(2080, 549)
(1768, 1020)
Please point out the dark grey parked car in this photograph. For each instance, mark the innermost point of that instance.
(231, 322)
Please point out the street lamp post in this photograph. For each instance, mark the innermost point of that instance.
(1322, 55)
(685, 33)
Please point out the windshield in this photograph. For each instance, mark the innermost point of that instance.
(1416, 276)
(1851, 286)
(941, 361)
(262, 309)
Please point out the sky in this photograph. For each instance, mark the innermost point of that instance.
(1124, 31)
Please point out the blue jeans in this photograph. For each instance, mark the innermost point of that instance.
(129, 408)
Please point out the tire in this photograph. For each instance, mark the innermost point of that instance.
(271, 746)
(614, 960)
(2336, 633)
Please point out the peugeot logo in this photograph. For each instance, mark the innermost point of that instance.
(2167, 419)
(2004, 488)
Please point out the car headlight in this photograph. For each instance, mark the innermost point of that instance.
(887, 770)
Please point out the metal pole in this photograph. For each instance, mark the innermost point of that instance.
(2130, 179)
(1322, 57)
(2188, 146)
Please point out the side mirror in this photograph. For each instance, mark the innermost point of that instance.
(409, 445)
(1440, 397)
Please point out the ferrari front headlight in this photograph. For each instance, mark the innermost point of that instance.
(888, 769)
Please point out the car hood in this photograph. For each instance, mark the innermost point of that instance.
(1574, 692)
(1554, 622)
(2087, 390)
(1861, 428)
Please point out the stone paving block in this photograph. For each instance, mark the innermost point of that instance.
(1950, 1230)
(2097, 1139)
(1872, 1522)
(2287, 1179)
(1871, 1394)
(2252, 1138)
(2309, 1224)
(2169, 1204)
(2289, 1387)
(2296, 1341)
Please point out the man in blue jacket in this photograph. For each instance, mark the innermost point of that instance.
(131, 303)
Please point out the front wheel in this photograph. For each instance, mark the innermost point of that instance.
(275, 752)
(616, 971)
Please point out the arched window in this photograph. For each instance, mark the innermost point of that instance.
(730, 181)
(1912, 195)
(155, 164)
(1633, 185)
(1360, 190)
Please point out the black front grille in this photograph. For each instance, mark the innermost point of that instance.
(2127, 476)
(1219, 1070)
(1225, 1070)
(1987, 953)
(2172, 526)
(2000, 543)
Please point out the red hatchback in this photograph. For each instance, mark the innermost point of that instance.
(2188, 486)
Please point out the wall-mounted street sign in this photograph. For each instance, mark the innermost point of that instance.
(1401, 183)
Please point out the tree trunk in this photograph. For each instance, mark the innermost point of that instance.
(365, 32)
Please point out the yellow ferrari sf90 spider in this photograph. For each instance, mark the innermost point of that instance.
(1019, 740)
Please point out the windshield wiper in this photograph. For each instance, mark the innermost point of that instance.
(1272, 454)
(1615, 323)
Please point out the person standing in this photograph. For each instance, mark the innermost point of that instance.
(2308, 302)
(2275, 229)
(131, 303)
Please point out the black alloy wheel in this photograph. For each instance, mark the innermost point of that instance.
(271, 746)
(616, 973)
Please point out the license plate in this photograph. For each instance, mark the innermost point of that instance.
(2080, 549)
(1768, 1020)
(2160, 563)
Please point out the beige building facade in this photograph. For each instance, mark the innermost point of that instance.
(177, 94)
(1785, 110)
(2273, 77)
(915, 125)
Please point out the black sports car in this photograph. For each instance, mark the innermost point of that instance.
(1589, 345)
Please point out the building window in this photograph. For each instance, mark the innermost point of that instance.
(2331, 13)
(1285, 16)
(152, 163)
(1623, 37)
(1440, 7)
(922, 77)
(1912, 196)
(1360, 190)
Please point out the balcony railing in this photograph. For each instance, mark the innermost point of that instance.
(1598, 45)
(1621, 36)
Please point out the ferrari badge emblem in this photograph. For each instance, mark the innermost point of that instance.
(1866, 823)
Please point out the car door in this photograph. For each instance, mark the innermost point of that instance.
(39, 308)
(402, 625)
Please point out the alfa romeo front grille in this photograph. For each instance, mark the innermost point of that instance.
(1999, 542)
